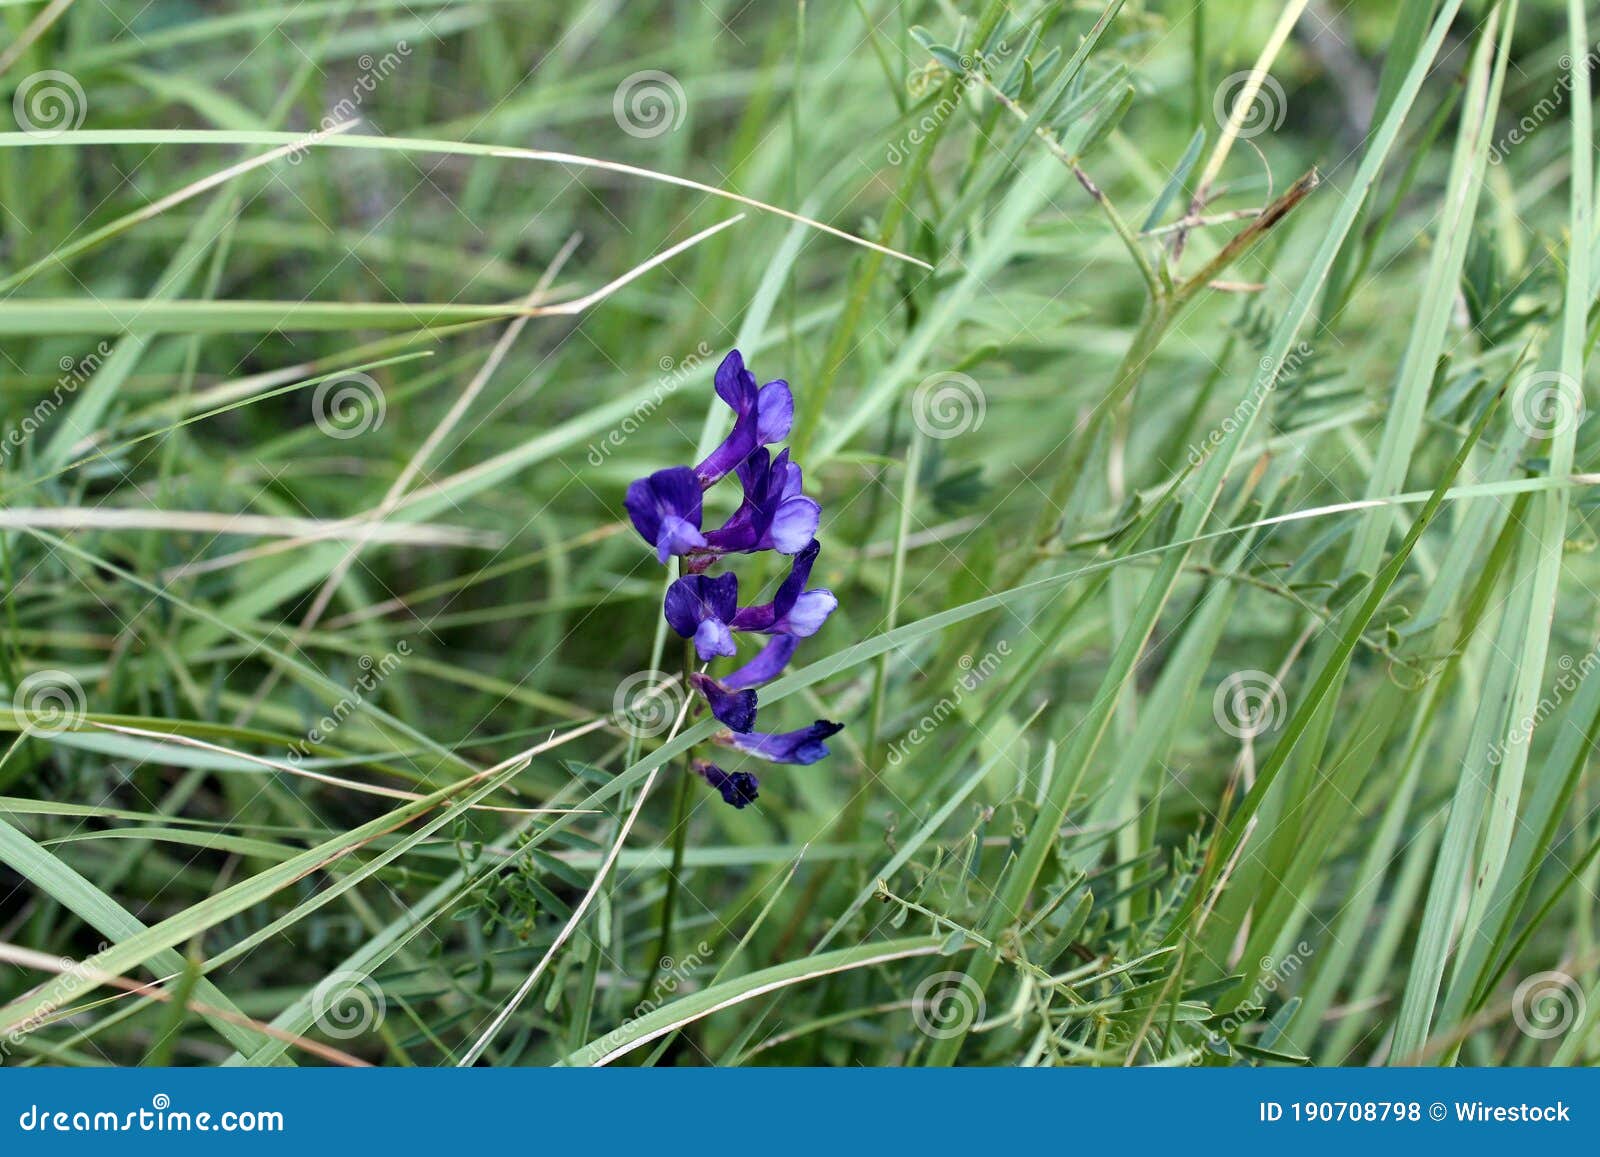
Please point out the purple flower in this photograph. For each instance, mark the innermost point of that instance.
(738, 789)
(767, 665)
(774, 514)
(793, 610)
(760, 417)
(736, 708)
(803, 746)
(665, 508)
(701, 608)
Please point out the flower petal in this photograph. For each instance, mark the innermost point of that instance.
(735, 384)
(794, 525)
(677, 536)
(712, 638)
(665, 509)
(767, 664)
(809, 612)
(738, 789)
(803, 746)
(735, 708)
(775, 413)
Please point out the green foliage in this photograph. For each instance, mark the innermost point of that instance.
(1195, 397)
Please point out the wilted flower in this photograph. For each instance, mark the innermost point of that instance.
(738, 789)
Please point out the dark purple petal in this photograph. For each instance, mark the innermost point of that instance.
(760, 418)
(786, 479)
(803, 746)
(666, 510)
(735, 448)
(700, 607)
(735, 708)
(737, 387)
(799, 574)
(767, 665)
(735, 384)
(738, 789)
(793, 610)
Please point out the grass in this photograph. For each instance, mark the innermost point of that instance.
(1195, 398)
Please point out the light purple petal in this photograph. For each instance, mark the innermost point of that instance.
(712, 638)
(795, 525)
(809, 612)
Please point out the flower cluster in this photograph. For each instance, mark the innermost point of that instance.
(773, 516)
